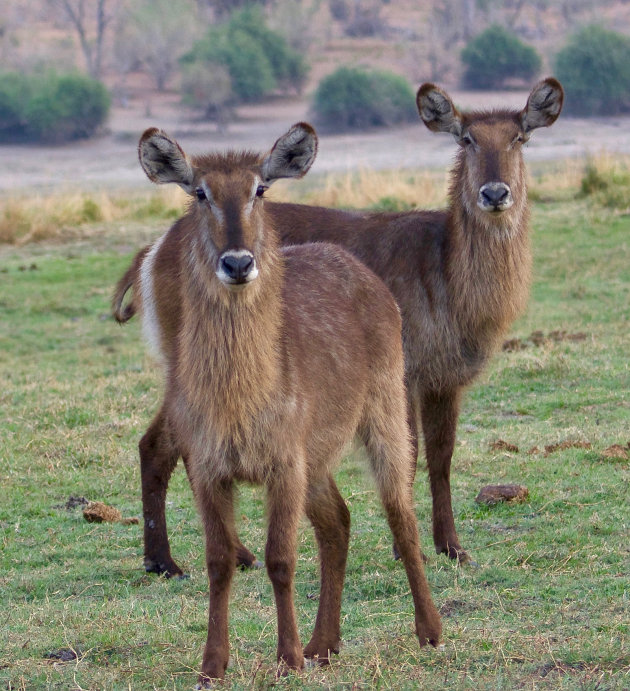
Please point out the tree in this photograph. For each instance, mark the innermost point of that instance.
(157, 33)
(258, 59)
(90, 19)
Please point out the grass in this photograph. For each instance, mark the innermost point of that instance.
(547, 607)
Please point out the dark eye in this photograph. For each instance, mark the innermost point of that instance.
(467, 140)
(201, 195)
(260, 190)
(519, 139)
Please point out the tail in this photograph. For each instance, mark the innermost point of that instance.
(123, 313)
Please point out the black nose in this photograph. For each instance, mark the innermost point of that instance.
(495, 195)
(237, 266)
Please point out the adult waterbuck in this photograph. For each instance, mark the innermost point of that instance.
(460, 276)
(274, 358)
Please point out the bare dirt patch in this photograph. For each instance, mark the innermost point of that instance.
(110, 161)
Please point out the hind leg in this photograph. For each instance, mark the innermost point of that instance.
(159, 452)
(158, 458)
(385, 434)
(330, 517)
(285, 502)
(412, 422)
(244, 558)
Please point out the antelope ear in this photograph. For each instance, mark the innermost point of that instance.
(163, 160)
(292, 155)
(437, 110)
(543, 105)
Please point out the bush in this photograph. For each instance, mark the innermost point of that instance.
(496, 55)
(351, 98)
(594, 68)
(50, 107)
(258, 59)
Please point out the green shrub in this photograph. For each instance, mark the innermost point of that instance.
(50, 107)
(352, 98)
(258, 59)
(496, 55)
(14, 95)
(594, 68)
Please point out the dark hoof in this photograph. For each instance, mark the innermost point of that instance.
(245, 559)
(321, 657)
(168, 570)
(256, 564)
(207, 683)
(458, 554)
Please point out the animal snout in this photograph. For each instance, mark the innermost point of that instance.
(237, 267)
(495, 196)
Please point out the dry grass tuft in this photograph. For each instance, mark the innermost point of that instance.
(378, 189)
(603, 179)
(67, 215)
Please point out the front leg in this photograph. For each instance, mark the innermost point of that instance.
(286, 492)
(439, 413)
(217, 512)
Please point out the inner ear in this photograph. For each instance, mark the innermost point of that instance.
(164, 161)
(437, 110)
(543, 105)
(292, 155)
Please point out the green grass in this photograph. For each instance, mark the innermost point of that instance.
(547, 607)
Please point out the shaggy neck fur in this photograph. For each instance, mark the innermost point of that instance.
(229, 346)
(489, 258)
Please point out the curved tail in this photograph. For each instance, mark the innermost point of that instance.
(123, 312)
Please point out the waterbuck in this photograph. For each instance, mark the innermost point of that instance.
(274, 359)
(459, 275)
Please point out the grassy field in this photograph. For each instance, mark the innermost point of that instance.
(547, 607)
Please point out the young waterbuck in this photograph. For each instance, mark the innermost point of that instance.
(274, 358)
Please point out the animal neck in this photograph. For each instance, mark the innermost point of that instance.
(488, 262)
(229, 346)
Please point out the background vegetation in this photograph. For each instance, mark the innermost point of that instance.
(247, 51)
(258, 59)
(594, 68)
(495, 56)
(546, 608)
(352, 98)
(50, 107)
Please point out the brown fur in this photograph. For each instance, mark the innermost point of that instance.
(460, 276)
(266, 384)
